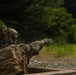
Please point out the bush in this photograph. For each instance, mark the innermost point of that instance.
(72, 34)
(2, 24)
(59, 50)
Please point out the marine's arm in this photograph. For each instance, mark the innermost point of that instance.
(34, 47)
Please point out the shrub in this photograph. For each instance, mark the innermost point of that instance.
(72, 34)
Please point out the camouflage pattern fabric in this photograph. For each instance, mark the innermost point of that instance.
(12, 35)
(7, 36)
(33, 48)
(12, 61)
(3, 37)
(15, 58)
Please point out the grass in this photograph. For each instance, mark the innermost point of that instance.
(59, 50)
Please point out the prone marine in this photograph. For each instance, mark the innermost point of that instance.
(14, 58)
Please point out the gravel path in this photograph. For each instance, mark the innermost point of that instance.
(60, 63)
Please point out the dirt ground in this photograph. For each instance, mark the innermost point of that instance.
(54, 62)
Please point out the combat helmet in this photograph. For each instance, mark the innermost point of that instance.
(7, 36)
(13, 35)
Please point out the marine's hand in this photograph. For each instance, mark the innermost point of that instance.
(48, 41)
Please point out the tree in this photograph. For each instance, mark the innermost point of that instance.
(70, 5)
(36, 18)
(72, 34)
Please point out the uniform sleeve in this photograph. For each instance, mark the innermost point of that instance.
(36, 46)
(32, 48)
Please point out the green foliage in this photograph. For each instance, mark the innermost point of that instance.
(38, 18)
(58, 24)
(72, 34)
(52, 3)
(61, 39)
(59, 17)
(60, 50)
(2, 24)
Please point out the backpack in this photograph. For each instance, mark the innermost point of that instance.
(12, 61)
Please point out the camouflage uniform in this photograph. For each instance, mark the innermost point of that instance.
(19, 53)
(3, 37)
(33, 48)
(7, 36)
(12, 35)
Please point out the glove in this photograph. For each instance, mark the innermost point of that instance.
(48, 41)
